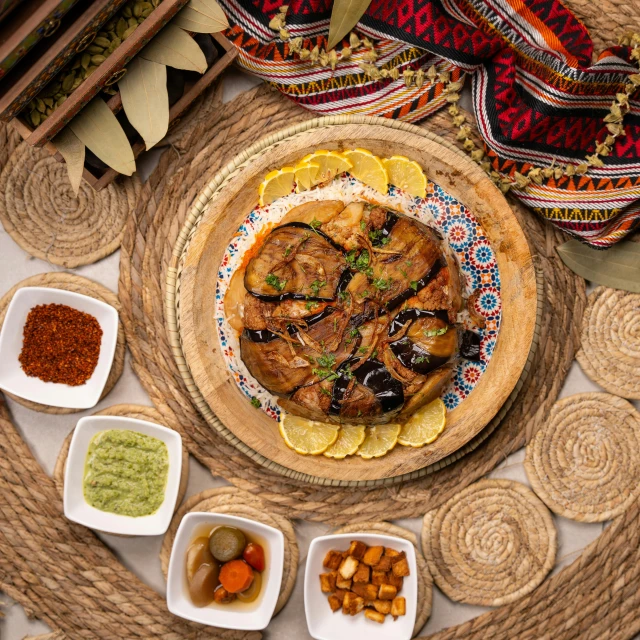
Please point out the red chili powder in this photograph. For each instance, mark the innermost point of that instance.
(60, 344)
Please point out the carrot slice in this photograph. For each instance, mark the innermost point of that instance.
(236, 576)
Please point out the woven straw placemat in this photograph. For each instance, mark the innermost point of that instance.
(9, 140)
(77, 284)
(147, 248)
(40, 212)
(425, 583)
(584, 463)
(490, 544)
(235, 502)
(138, 412)
(610, 351)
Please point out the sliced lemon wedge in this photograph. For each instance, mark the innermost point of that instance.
(368, 168)
(276, 184)
(307, 436)
(425, 425)
(349, 439)
(379, 439)
(306, 173)
(406, 175)
(331, 164)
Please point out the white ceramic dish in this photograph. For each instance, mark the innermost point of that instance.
(14, 380)
(247, 617)
(325, 625)
(76, 507)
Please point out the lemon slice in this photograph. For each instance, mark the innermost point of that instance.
(406, 175)
(379, 439)
(306, 173)
(331, 164)
(368, 169)
(349, 439)
(307, 436)
(425, 425)
(276, 184)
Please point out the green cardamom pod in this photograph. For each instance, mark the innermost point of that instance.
(110, 26)
(128, 32)
(40, 105)
(126, 12)
(49, 111)
(35, 118)
(77, 82)
(43, 117)
(90, 70)
(94, 49)
(133, 22)
(85, 60)
(145, 14)
(97, 59)
(76, 62)
(67, 82)
(102, 42)
(121, 27)
(48, 101)
(60, 100)
(137, 9)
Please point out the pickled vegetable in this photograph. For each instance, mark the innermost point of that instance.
(197, 555)
(250, 594)
(222, 596)
(227, 543)
(254, 555)
(236, 576)
(203, 585)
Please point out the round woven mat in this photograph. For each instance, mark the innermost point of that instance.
(40, 212)
(610, 351)
(585, 461)
(77, 284)
(232, 501)
(138, 412)
(491, 544)
(150, 236)
(425, 583)
(9, 140)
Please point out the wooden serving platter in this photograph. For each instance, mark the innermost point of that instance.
(220, 220)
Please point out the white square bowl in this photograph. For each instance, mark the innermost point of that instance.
(251, 617)
(76, 507)
(14, 380)
(326, 625)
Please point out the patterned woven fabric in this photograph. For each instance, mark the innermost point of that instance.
(537, 98)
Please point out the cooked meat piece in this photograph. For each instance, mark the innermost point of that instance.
(443, 292)
(344, 229)
(320, 210)
(377, 217)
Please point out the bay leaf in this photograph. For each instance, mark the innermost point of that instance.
(72, 150)
(98, 128)
(212, 10)
(145, 99)
(344, 17)
(193, 20)
(174, 47)
(617, 267)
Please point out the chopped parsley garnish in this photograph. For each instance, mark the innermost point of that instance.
(342, 295)
(363, 260)
(414, 285)
(316, 285)
(381, 284)
(363, 226)
(273, 281)
(325, 374)
(315, 224)
(365, 293)
(403, 272)
(310, 305)
(325, 391)
(347, 373)
(360, 263)
(255, 402)
(287, 251)
(351, 258)
(375, 353)
(326, 360)
(359, 413)
(409, 263)
(354, 332)
(432, 333)
(420, 359)
(363, 349)
(377, 235)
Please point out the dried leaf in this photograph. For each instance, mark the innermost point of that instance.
(193, 20)
(145, 99)
(617, 267)
(175, 48)
(212, 10)
(344, 16)
(72, 150)
(98, 128)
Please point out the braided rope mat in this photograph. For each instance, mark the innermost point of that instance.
(77, 284)
(235, 502)
(61, 573)
(490, 544)
(146, 254)
(425, 583)
(584, 463)
(40, 212)
(137, 412)
(610, 352)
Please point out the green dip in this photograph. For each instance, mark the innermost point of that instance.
(126, 472)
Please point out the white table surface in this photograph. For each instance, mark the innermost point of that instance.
(45, 434)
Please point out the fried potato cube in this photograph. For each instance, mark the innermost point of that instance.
(328, 582)
(398, 607)
(335, 603)
(356, 605)
(395, 581)
(387, 592)
(382, 606)
(392, 553)
(401, 568)
(374, 615)
(341, 583)
(367, 591)
(348, 567)
(332, 560)
(357, 549)
(362, 574)
(383, 565)
(378, 577)
(372, 555)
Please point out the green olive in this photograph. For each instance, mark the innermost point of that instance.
(227, 543)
